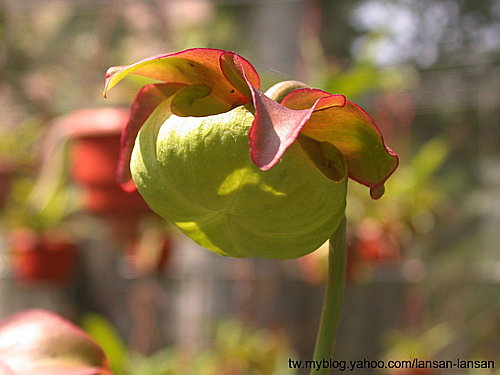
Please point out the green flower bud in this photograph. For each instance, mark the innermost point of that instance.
(197, 173)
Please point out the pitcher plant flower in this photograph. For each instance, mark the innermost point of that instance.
(246, 173)
(241, 172)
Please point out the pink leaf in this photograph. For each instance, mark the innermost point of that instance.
(39, 342)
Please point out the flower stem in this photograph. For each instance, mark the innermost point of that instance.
(332, 300)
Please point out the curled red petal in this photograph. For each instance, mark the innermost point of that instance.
(304, 98)
(190, 67)
(146, 101)
(350, 129)
(233, 68)
(276, 126)
(274, 129)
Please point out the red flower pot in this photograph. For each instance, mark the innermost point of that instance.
(94, 164)
(94, 157)
(48, 258)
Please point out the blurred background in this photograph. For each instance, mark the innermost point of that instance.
(423, 262)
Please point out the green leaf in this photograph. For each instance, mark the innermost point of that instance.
(108, 338)
(429, 158)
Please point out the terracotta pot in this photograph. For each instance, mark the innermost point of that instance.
(94, 157)
(45, 258)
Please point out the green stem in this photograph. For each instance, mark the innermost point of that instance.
(332, 300)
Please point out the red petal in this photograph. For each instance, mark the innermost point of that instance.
(145, 103)
(191, 67)
(353, 132)
(233, 68)
(274, 129)
(306, 97)
(276, 126)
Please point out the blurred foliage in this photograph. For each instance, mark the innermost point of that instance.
(28, 204)
(236, 350)
(414, 179)
(423, 346)
(364, 77)
(433, 344)
(383, 231)
(17, 146)
(20, 151)
(423, 32)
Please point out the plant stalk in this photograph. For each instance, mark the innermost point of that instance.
(332, 300)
